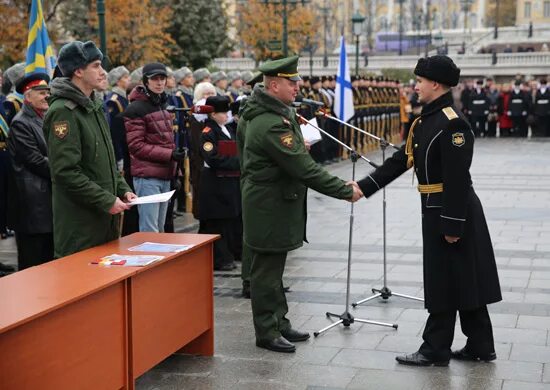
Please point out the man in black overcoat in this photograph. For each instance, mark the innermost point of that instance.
(460, 272)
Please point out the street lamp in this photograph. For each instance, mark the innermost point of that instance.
(325, 11)
(466, 8)
(401, 26)
(357, 22)
(285, 19)
(100, 7)
(495, 35)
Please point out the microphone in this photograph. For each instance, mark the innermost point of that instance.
(204, 109)
(302, 100)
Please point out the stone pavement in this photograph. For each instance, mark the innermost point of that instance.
(512, 179)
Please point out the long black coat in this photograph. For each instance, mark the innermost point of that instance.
(219, 191)
(462, 275)
(32, 195)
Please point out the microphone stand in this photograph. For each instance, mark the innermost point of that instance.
(384, 292)
(346, 318)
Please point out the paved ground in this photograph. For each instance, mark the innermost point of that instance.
(512, 178)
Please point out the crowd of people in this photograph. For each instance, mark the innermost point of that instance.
(149, 123)
(75, 155)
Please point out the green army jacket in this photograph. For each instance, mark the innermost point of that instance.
(85, 181)
(276, 170)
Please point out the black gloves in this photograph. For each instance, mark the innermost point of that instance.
(178, 155)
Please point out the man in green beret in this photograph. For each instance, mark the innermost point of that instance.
(88, 191)
(276, 171)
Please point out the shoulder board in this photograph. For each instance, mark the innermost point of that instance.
(450, 113)
(70, 104)
(114, 97)
(206, 130)
(286, 122)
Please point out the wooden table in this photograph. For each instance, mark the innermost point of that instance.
(68, 324)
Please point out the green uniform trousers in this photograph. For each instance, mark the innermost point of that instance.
(269, 306)
(246, 262)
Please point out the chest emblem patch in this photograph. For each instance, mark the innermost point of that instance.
(287, 140)
(208, 146)
(206, 130)
(458, 139)
(61, 129)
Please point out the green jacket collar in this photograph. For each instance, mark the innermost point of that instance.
(63, 88)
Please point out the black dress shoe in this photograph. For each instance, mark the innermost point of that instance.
(6, 268)
(280, 344)
(294, 335)
(246, 290)
(417, 359)
(225, 267)
(463, 354)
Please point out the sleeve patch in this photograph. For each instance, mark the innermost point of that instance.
(61, 129)
(287, 140)
(458, 139)
(208, 146)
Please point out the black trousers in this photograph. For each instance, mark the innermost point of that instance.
(439, 333)
(478, 124)
(229, 246)
(33, 249)
(520, 127)
(491, 128)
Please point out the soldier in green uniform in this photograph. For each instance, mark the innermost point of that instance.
(88, 191)
(277, 170)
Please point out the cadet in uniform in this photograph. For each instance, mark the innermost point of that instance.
(542, 111)
(184, 94)
(219, 194)
(116, 102)
(459, 265)
(478, 109)
(277, 170)
(201, 75)
(88, 191)
(235, 85)
(14, 100)
(518, 108)
(219, 80)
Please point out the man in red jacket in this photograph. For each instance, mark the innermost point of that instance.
(150, 137)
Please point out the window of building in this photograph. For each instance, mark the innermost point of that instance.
(527, 9)
(547, 9)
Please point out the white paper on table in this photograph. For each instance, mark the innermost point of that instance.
(156, 198)
(310, 133)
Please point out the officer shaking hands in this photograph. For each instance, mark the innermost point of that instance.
(276, 172)
(459, 264)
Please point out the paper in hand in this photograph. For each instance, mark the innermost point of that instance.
(157, 198)
(310, 133)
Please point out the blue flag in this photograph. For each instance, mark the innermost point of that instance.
(343, 99)
(40, 57)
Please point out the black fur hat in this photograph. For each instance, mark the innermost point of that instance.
(77, 55)
(438, 68)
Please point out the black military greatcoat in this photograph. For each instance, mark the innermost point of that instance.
(462, 275)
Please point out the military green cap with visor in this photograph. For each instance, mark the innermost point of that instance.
(284, 67)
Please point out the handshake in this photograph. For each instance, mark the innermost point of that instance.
(357, 193)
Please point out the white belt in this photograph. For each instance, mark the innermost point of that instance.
(479, 101)
(517, 100)
(542, 101)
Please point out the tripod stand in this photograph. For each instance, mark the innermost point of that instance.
(384, 292)
(346, 318)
